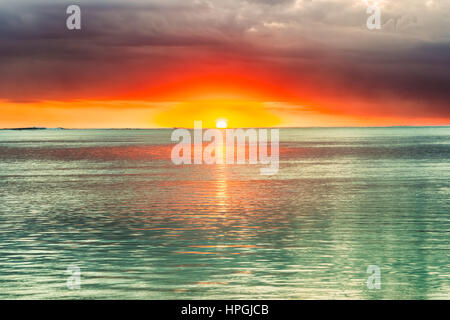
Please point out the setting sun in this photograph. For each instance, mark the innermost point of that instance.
(221, 124)
(217, 113)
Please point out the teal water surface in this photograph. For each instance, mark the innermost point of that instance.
(111, 203)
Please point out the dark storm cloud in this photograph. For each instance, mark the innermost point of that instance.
(317, 45)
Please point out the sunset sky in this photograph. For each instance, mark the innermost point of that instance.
(166, 63)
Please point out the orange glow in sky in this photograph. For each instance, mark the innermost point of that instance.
(206, 91)
(239, 114)
(145, 114)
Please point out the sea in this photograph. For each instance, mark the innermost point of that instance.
(352, 213)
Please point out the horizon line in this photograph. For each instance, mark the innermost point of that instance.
(172, 128)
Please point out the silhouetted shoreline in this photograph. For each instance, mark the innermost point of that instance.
(32, 128)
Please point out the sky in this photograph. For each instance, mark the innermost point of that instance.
(166, 63)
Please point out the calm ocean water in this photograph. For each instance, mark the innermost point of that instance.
(112, 203)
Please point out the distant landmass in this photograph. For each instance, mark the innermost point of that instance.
(34, 128)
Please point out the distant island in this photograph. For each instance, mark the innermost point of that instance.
(33, 128)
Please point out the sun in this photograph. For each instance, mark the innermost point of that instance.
(221, 124)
